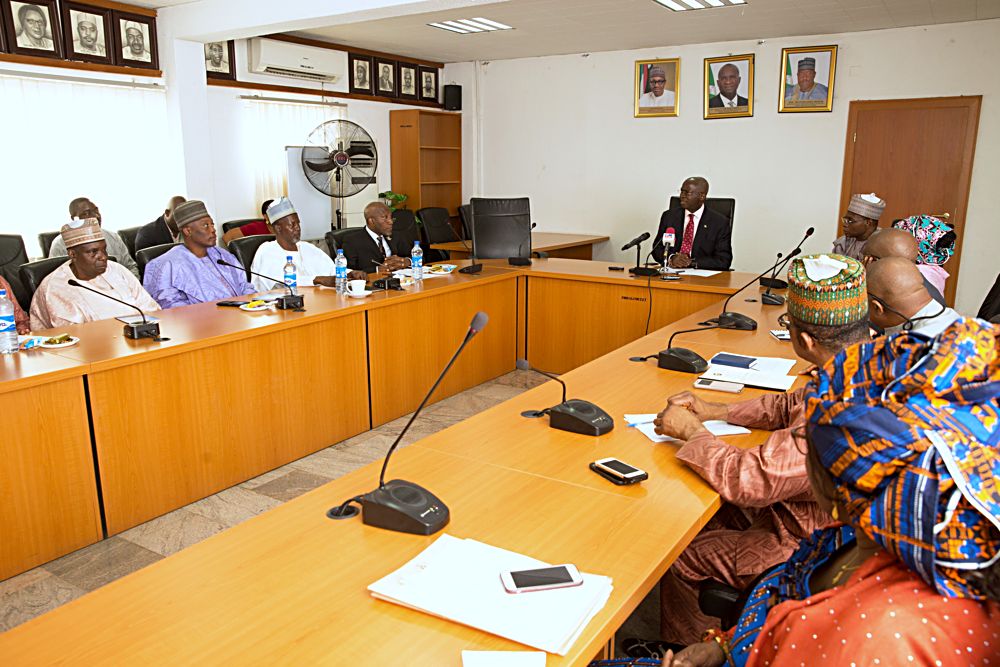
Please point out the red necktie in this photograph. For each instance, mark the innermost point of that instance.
(688, 236)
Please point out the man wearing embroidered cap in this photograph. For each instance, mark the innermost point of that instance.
(190, 273)
(658, 95)
(57, 303)
(860, 222)
(807, 89)
(313, 266)
(88, 38)
(135, 42)
(82, 208)
(827, 312)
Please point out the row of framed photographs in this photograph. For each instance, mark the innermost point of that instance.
(78, 32)
(392, 78)
(807, 81)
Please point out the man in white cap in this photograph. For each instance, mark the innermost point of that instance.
(57, 303)
(658, 95)
(82, 208)
(860, 222)
(135, 43)
(312, 265)
(87, 37)
(807, 89)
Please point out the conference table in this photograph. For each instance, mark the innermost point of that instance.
(289, 586)
(555, 244)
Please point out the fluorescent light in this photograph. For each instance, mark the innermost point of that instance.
(448, 27)
(475, 24)
(716, 3)
(467, 28)
(495, 24)
(738, 2)
(672, 5)
(697, 4)
(694, 4)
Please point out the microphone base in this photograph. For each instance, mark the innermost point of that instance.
(773, 283)
(519, 261)
(682, 360)
(142, 330)
(578, 416)
(471, 268)
(772, 299)
(404, 507)
(644, 271)
(291, 302)
(387, 283)
(737, 321)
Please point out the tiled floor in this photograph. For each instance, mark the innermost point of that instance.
(40, 590)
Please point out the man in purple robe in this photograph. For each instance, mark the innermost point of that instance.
(190, 273)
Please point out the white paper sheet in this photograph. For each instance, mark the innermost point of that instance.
(767, 373)
(503, 659)
(717, 428)
(697, 273)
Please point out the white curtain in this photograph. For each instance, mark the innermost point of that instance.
(64, 140)
(270, 127)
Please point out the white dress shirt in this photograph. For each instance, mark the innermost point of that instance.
(726, 102)
(649, 100)
(687, 221)
(379, 240)
(938, 319)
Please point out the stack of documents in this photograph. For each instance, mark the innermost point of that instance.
(644, 424)
(459, 580)
(765, 372)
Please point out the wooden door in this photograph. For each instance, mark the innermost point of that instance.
(917, 156)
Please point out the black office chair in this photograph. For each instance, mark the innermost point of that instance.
(404, 230)
(245, 249)
(45, 240)
(991, 304)
(465, 215)
(723, 205)
(501, 228)
(435, 227)
(334, 239)
(13, 255)
(33, 273)
(233, 224)
(726, 602)
(147, 255)
(128, 236)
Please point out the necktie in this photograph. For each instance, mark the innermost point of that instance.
(382, 245)
(732, 103)
(688, 236)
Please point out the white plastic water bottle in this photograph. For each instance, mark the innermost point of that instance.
(341, 272)
(417, 262)
(8, 330)
(291, 279)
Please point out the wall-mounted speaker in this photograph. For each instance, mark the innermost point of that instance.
(453, 97)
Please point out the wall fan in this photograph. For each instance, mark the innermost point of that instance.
(339, 159)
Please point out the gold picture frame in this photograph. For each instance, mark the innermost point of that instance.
(716, 103)
(822, 61)
(644, 91)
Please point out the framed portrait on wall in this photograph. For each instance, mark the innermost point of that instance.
(728, 87)
(3, 37)
(32, 28)
(86, 32)
(428, 84)
(220, 60)
(807, 79)
(385, 77)
(407, 79)
(657, 87)
(135, 40)
(361, 73)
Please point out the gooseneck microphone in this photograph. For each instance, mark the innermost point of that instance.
(145, 329)
(636, 241)
(290, 301)
(574, 415)
(680, 358)
(776, 299)
(739, 321)
(519, 260)
(639, 269)
(399, 505)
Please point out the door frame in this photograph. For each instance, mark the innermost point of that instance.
(971, 102)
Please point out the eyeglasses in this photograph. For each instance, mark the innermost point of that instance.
(657, 82)
(784, 320)
(800, 440)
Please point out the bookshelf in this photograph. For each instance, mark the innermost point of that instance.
(426, 148)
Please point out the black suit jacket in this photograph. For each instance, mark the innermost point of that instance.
(153, 233)
(715, 101)
(712, 240)
(362, 252)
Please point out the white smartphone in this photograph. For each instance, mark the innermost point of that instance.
(781, 334)
(542, 579)
(619, 470)
(718, 385)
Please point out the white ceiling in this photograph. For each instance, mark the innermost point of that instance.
(550, 27)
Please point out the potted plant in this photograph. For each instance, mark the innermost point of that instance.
(393, 200)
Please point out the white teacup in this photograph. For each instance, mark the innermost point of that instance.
(356, 286)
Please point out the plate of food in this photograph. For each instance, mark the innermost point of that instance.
(257, 305)
(441, 269)
(62, 340)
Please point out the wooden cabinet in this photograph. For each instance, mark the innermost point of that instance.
(427, 157)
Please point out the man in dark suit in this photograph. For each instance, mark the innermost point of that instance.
(159, 231)
(729, 83)
(693, 236)
(373, 247)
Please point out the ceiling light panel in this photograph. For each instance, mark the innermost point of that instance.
(694, 5)
(467, 26)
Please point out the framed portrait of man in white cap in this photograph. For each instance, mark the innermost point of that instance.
(32, 28)
(220, 60)
(807, 78)
(407, 80)
(86, 32)
(135, 40)
(657, 87)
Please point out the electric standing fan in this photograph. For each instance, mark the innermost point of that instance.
(339, 159)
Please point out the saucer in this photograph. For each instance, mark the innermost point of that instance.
(359, 295)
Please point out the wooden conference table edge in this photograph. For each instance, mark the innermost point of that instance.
(547, 241)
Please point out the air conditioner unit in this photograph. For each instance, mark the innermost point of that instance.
(269, 56)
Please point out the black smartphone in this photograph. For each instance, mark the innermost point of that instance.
(232, 304)
(616, 268)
